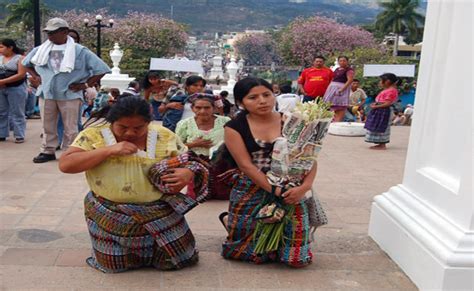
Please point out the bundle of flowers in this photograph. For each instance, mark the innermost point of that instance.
(293, 157)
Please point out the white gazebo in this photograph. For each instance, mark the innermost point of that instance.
(426, 224)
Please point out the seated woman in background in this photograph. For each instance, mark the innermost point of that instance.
(129, 222)
(203, 131)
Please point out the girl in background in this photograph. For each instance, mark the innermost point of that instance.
(378, 120)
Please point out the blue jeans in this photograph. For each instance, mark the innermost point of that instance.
(12, 104)
(155, 105)
(30, 107)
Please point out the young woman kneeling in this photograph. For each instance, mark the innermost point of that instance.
(249, 138)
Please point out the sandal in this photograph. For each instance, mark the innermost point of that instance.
(221, 218)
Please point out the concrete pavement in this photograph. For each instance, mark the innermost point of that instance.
(44, 240)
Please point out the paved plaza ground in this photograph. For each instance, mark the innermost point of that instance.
(44, 239)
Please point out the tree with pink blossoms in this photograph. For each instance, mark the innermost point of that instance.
(139, 35)
(303, 39)
(257, 49)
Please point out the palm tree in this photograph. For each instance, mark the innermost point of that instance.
(399, 17)
(22, 12)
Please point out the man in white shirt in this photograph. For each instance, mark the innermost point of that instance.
(287, 101)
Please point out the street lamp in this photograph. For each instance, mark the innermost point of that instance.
(99, 26)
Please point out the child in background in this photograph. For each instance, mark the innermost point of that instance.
(228, 106)
(378, 120)
(90, 94)
(176, 107)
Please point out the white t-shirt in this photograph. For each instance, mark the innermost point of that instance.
(187, 111)
(56, 56)
(286, 102)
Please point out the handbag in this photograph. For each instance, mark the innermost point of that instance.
(317, 215)
(8, 74)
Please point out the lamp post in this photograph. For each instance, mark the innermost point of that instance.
(37, 22)
(99, 26)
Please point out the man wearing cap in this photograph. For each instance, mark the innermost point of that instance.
(65, 69)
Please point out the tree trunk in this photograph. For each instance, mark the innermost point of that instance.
(395, 45)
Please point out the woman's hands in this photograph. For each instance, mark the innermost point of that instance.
(294, 195)
(77, 87)
(200, 143)
(177, 178)
(123, 148)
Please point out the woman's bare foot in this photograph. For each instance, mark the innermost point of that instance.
(378, 147)
(224, 218)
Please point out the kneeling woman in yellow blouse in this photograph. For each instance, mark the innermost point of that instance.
(130, 226)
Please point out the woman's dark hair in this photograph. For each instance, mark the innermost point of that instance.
(224, 94)
(191, 80)
(126, 106)
(11, 43)
(206, 97)
(356, 80)
(150, 75)
(77, 35)
(342, 57)
(285, 88)
(243, 87)
(390, 77)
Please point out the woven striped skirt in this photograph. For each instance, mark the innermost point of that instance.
(246, 199)
(129, 236)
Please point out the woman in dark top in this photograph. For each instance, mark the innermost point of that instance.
(13, 93)
(340, 88)
(249, 139)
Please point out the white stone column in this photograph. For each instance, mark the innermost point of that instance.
(426, 224)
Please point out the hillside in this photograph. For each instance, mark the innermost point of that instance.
(232, 15)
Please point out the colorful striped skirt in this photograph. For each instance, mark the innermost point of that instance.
(129, 236)
(246, 199)
(378, 126)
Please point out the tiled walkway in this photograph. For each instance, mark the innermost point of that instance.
(44, 240)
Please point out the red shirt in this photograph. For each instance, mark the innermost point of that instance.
(315, 81)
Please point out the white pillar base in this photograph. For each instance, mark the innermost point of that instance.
(433, 251)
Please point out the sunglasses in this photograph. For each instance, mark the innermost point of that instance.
(55, 31)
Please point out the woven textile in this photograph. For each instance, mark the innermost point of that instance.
(187, 160)
(262, 158)
(378, 137)
(378, 126)
(129, 236)
(378, 120)
(246, 200)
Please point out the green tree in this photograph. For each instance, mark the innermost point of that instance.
(399, 17)
(22, 12)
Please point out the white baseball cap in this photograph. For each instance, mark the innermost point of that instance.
(55, 24)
